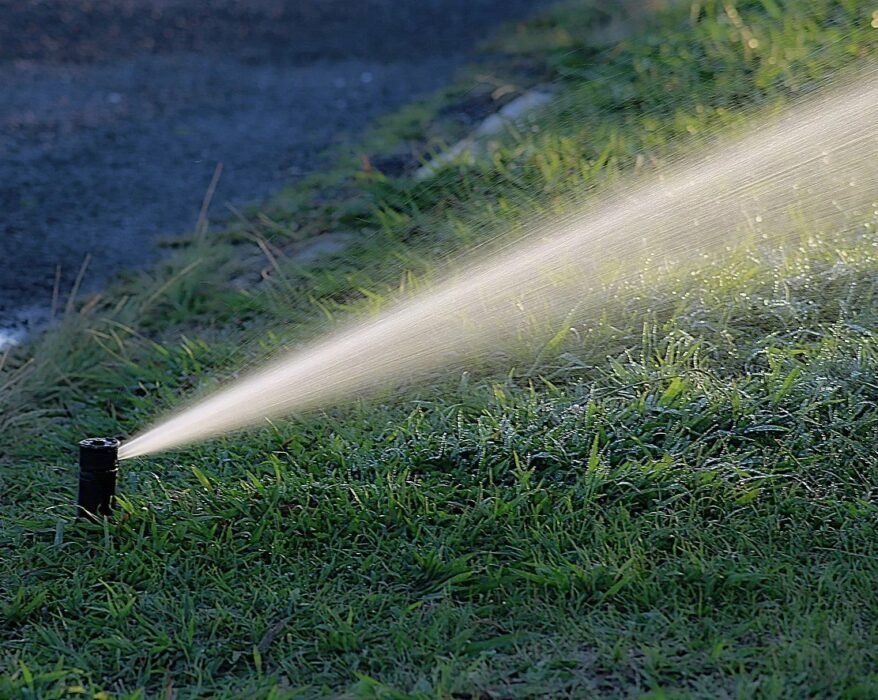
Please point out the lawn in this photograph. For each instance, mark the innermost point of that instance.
(675, 498)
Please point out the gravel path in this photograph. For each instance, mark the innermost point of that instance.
(114, 113)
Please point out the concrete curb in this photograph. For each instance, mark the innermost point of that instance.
(512, 114)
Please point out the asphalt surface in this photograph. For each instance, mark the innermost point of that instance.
(114, 114)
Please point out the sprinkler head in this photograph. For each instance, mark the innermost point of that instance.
(98, 466)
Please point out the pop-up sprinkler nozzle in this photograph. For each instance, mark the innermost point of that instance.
(98, 466)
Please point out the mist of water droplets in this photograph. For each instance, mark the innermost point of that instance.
(816, 165)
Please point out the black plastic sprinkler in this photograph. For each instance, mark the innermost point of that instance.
(98, 466)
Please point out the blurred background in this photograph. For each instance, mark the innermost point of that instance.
(115, 113)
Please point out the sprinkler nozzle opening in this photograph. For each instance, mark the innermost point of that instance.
(98, 467)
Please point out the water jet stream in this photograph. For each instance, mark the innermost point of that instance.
(817, 163)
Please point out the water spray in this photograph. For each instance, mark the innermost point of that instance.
(816, 164)
(98, 467)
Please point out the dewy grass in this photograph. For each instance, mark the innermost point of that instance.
(672, 499)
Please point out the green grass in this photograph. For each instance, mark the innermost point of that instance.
(676, 501)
